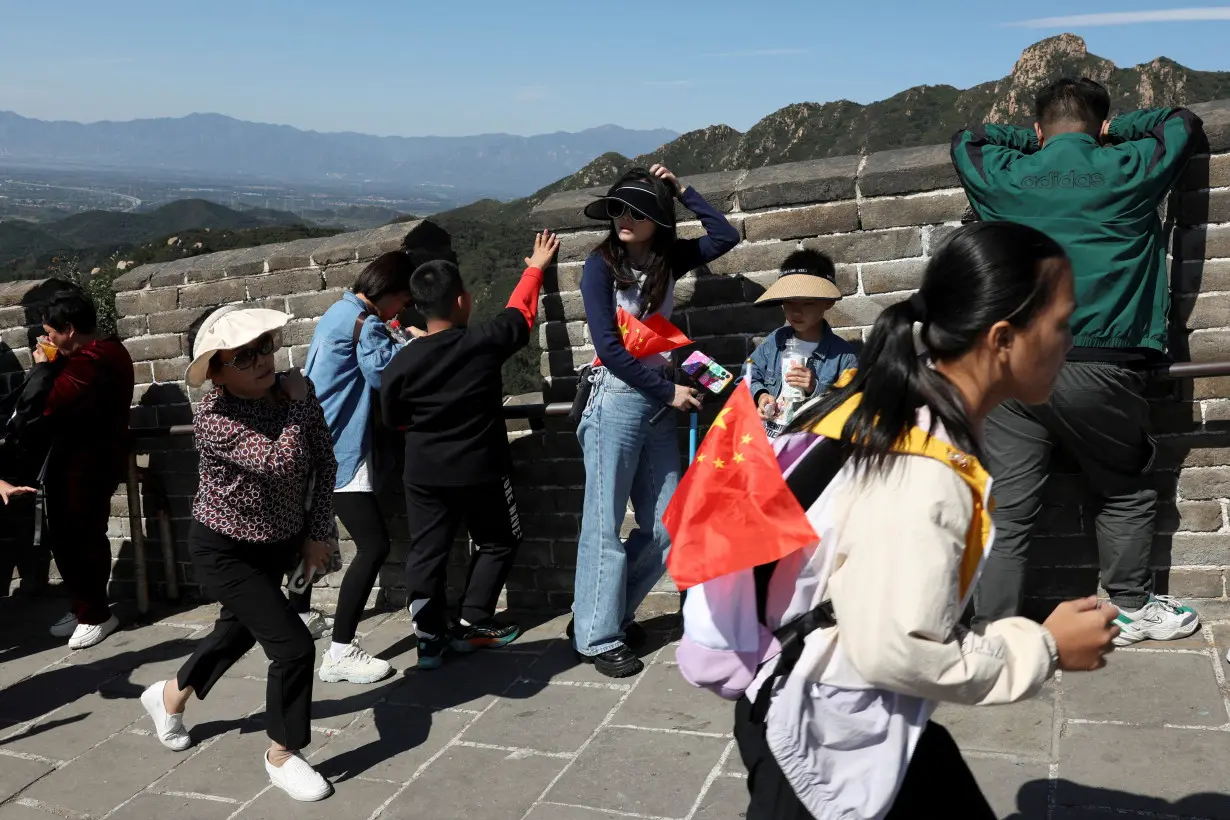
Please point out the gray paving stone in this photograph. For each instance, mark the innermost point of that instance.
(1024, 728)
(664, 700)
(230, 767)
(1129, 690)
(129, 648)
(1133, 768)
(17, 773)
(559, 662)
(134, 682)
(471, 682)
(151, 805)
(226, 709)
(16, 811)
(554, 811)
(544, 718)
(336, 705)
(388, 744)
(105, 776)
(466, 784)
(23, 659)
(612, 772)
(726, 799)
(52, 688)
(1002, 781)
(80, 725)
(354, 798)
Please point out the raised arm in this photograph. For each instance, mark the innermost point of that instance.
(374, 350)
(598, 293)
(986, 149)
(1159, 140)
(223, 438)
(720, 236)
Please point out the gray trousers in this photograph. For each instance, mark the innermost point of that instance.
(1099, 416)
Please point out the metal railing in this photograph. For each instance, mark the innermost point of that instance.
(136, 516)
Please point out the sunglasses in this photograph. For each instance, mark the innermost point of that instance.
(246, 356)
(616, 210)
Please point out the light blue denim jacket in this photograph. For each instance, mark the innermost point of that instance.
(346, 375)
(832, 357)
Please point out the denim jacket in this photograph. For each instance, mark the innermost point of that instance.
(832, 357)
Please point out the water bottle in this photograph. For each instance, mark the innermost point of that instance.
(791, 397)
(399, 335)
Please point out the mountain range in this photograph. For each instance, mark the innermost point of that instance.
(497, 165)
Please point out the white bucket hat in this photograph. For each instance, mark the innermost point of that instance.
(227, 328)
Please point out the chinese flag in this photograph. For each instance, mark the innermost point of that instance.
(733, 510)
(654, 335)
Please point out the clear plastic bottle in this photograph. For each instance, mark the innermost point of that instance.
(399, 335)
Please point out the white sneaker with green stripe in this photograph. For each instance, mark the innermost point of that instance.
(1163, 618)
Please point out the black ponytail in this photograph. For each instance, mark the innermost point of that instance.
(987, 272)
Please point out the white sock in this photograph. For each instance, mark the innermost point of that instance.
(337, 650)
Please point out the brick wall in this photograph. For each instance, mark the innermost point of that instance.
(879, 216)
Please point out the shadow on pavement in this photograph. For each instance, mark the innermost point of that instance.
(1075, 797)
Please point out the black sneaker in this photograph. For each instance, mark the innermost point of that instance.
(619, 662)
(489, 634)
(635, 636)
(431, 653)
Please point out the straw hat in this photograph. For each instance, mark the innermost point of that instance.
(801, 283)
(227, 328)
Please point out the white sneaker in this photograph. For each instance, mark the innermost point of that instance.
(1163, 618)
(169, 728)
(355, 666)
(64, 627)
(86, 635)
(297, 778)
(319, 624)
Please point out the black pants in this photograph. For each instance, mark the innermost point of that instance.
(435, 514)
(246, 578)
(938, 783)
(78, 508)
(360, 515)
(1099, 416)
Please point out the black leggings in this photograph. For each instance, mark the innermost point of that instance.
(360, 515)
(938, 783)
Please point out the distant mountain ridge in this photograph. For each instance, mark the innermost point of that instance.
(499, 165)
(923, 115)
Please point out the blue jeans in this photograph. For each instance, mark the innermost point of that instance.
(625, 458)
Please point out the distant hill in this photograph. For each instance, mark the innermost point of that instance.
(499, 165)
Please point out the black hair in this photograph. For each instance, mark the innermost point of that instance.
(72, 307)
(434, 287)
(1073, 101)
(656, 268)
(811, 261)
(386, 275)
(987, 272)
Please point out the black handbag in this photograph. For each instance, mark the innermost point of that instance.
(585, 386)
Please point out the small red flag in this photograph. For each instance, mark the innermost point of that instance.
(654, 335)
(733, 510)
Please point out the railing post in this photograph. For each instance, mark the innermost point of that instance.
(136, 526)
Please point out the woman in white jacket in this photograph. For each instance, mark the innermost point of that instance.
(838, 725)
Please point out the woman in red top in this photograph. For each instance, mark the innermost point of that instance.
(88, 409)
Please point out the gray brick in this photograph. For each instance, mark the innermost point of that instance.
(797, 183)
(1200, 207)
(212, 294)
(734, 319)
(129, 326)
(563, 277)
(198, 275)
(283, 284)
(919, 209)
(897, 275)
(1192, 583)
(146, 301)
(134, 279)
(870, 246)
(299, 332)
(935, 236)
(373, 243)
(1216, 117)
(1217, 387)
(1190, 516)
(142, 373)
(1209, 345)
(343, 275)
(334, 252)
(1203, 274)
(312, 304)
(1191, 549)
(1204, 243)
(149, 348)
(170, 370)
(749, 258)
(566, 210)
(718, 188)
(167, 278)
(12, 317)
(811, 220)
(176, 321)
(859, 311)
(907, 170)
(559, 335)
(708, 291)
(576, 246)
(568, 307)
(1207, 172)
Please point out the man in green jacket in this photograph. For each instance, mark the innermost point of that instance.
(1095, 187)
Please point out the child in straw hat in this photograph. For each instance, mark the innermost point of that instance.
(803, 358)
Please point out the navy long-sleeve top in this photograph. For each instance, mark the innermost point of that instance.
(599, 294)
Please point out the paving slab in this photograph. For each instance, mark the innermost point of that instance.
(74, 729)
(16, 773)
(613, 773)
(105, 776)
(726, 799)
(559, 662)
(22, 659)
(150, 805)
(356, 799)
(1024, 728)
(554, 811)
(129, 648)
(16, 811)
(1012, 786)
(230, 766)
(466, 783)
(472, 682)
(664, 700)
(51, 689)
(226, 709)
(551, 718)
(1148, 688)
(390, 743)
(1140, 768)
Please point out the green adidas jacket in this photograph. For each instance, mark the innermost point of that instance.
(1100, 202)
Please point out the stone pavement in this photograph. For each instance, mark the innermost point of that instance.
(526, 734)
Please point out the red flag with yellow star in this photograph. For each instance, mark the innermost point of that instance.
(654, 335)
(733, 510)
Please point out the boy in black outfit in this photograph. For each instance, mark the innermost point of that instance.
(445, 390)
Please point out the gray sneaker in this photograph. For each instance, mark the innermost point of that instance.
(355, 666)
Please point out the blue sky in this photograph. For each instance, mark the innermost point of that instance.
(465, 67)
